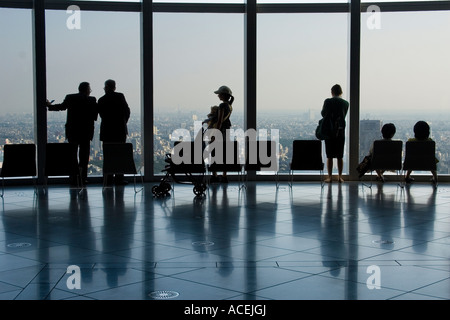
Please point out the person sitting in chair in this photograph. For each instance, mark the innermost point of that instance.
(421, 133)
(387, 132)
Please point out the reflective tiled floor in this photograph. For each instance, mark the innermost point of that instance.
(342, 242)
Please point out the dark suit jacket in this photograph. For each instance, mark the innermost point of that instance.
(114, 111)
(81, 116)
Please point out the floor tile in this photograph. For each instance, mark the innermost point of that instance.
(256, 243)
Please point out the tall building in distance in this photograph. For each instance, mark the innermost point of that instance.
(369, 130)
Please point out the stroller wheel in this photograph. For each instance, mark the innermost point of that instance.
(198, 190)
(155, 189)
(166, 187)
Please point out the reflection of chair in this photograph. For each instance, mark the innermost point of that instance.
(261, 155)
(386, 156)
(118, 159)
(19, 160)
(228, 161)
(420, 156)
(307, 156)
(61, 159)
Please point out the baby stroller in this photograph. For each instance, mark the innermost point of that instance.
(183, 173)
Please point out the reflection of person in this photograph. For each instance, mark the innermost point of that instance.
(387, 131)
(421, 133)
(81, 116)
(223, 120)
(337, 109)
(115, 113)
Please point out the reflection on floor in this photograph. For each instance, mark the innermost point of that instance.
(343, 242)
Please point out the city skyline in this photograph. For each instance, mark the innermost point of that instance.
(295, 66)
(19, 129)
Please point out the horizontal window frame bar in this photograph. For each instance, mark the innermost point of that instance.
(408, 6)
(231, 8)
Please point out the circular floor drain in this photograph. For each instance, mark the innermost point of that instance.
(19, 245)
(383, 241)
(164, 294)
(203, 243)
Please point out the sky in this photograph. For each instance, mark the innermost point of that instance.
(404, 63)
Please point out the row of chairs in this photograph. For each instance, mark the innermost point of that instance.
(61, 159)
(259, 156)
(19, 160)
(388, 156)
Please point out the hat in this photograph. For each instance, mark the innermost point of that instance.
(223, 89)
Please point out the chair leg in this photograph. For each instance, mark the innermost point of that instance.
(322, 179)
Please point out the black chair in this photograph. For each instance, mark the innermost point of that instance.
(118, 159)
(260, 156)
(420, 156)
(386, 156)
(229, 161)
(19, 160)
(61, 160)
(306, 156)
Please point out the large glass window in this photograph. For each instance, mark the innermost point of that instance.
(300, 57)
(16, 80)
(194, 54)
(104, 45)
(404, 78)
(302, 1)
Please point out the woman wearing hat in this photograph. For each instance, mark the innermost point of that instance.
(223, 120)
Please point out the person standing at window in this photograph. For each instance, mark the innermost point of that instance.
(115, 113)
(81, 116)
(336, 108)
(223, 123)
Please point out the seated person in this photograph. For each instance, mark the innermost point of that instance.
(387, 131)
(421, 133)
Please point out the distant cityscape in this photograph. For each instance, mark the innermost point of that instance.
(18, 128)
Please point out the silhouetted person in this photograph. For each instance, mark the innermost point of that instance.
(223, 122)
(81, 116)
(421, 133)
(115, 113)
(337, 108)
(387, 132)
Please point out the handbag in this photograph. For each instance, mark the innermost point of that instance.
(324, 128)
(364, 166)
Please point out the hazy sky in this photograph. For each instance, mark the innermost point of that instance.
(404, 64)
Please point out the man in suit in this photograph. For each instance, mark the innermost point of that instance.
(115, 113)
(81, 116)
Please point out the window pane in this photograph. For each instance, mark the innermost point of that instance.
(302, 1)
(16, 82)
(194, 54)
(404, 77)
(399, 0)
(300, 57)
(105, 46)
(110, 0)
(199, 1)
